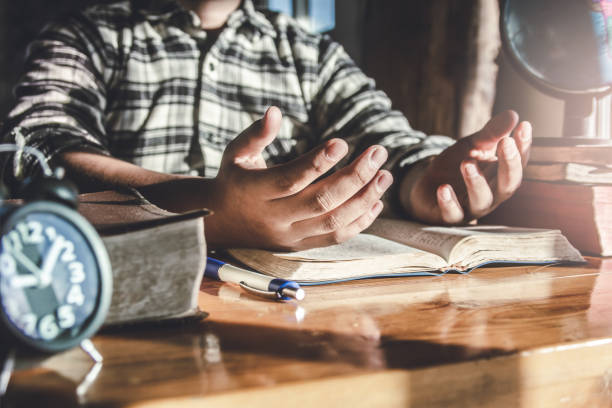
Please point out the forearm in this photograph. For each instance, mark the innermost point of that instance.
(95, 172)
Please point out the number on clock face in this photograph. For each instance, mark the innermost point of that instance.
(46, 290)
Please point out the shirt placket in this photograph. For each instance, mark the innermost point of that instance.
(205, 150)
(196, 156)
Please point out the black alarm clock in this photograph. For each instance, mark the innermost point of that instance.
(55, 273)
(55, 276)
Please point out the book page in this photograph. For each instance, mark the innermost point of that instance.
(169, 258)
(443, 241)
(363, 246)
(507, 244)
(411, 247)
(437, 240)
(362, 256)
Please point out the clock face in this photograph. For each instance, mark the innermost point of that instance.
(51, 276)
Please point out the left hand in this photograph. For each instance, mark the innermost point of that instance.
(472, 177)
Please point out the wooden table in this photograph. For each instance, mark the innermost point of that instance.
(528, 336)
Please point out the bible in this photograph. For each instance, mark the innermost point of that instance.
(157, 257)
(595, 155)
(583, 212)
(572, 172)
(392, 247)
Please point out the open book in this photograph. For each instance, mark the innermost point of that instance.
(393, 247)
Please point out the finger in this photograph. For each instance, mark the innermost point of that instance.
(347, 213)
(247, 147)
(346, 233)
(523, 138)
(331, 192)
(484, 142)
(480, 196)
(510, 169)
(290, 178)
(450, 210)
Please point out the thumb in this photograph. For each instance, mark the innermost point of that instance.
(247, 147)
(485, 141)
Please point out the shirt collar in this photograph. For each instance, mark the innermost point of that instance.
(167, 10)
(249, 15)
(157, 10)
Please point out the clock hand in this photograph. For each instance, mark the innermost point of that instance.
(23, 281)
(25, 261)
(50, 261)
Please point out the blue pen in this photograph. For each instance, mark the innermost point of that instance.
(253, 282)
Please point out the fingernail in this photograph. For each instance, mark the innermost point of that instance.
(509, 148)
(481, 154)
(470, 169)
(475, 154)
(376, 208)
(335, 151)
(384, 181)
(523, 134)
(272, 110)
(445, 193)
(378, 157)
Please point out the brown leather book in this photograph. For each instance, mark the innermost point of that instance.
(158, 257)
(583, 212)
(572, 172)
(586, 154)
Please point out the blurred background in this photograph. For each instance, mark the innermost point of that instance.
(438, 60)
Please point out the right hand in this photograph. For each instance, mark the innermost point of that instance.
(282, 207)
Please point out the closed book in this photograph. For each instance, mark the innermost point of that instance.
(573, 172)
(157, 257)
(583, 212)
(586, 154)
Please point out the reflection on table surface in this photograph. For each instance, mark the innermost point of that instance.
(511, 336)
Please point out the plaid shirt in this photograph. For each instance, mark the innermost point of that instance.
(141, 81)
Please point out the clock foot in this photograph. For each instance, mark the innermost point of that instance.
(88, 347)
(7, 371)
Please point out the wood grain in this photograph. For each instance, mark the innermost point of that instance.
(529, 336)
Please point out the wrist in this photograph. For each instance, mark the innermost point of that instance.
(408, 186)
(186, 193)
(180, 193)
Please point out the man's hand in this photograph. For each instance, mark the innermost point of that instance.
(472, 177)
(283, 207)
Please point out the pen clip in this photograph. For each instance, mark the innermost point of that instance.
(259, 292)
